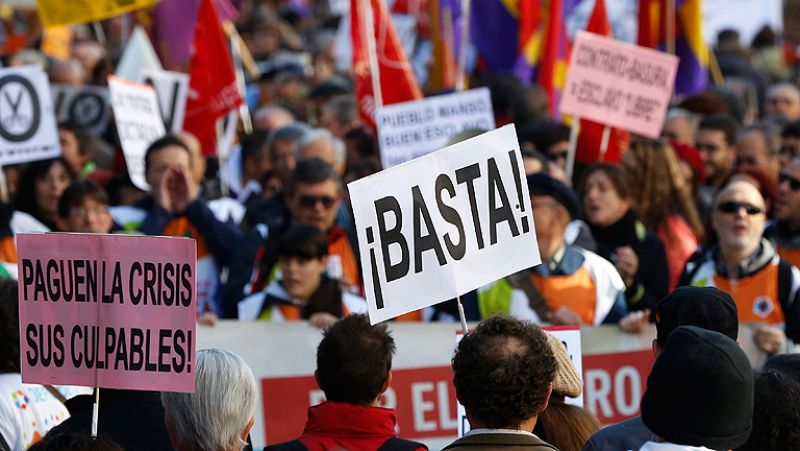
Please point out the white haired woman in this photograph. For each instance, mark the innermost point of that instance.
(219, 414)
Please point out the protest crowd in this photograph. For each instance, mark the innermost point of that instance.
(694, 233)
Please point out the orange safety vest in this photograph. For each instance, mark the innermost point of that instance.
(8, 249)
(756, 296)
(182, 227)
(576, 292)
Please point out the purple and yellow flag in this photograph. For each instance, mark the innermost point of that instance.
(690, 47)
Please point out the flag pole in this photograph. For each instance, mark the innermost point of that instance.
(670, 24)
(573, 144)
(461, 81)
(367, 27)
(604, 142)
(101, 39)
(462, 316)
(95, 411)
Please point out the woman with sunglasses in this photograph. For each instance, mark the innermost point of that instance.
(746, 266)
(636, 251)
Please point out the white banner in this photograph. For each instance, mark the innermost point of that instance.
(171, 90)
(27, 118)
(138, 121)
(411, 129)
(444, 224)
(87, 106)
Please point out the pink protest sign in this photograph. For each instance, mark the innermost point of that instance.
(618, 84)
(110, 311)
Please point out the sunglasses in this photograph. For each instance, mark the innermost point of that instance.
(734, 207)
(794, 183)
(558, 156)
(312, 201)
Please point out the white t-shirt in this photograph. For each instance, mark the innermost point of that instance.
(27, 411)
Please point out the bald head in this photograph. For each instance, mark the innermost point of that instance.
(69, 72)
(271, 118)
(738, 218)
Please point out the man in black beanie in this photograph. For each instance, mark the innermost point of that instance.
(699, 393)
(708, 308)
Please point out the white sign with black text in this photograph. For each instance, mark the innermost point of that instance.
(27, 117)
(138, 121)
(171, 90)
(411, 129)
(444, 224)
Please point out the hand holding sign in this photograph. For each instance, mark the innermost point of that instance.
(444, 224)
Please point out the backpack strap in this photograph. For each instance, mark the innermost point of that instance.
(399, 444)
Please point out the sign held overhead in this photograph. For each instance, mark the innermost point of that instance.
(109, 311)
(439, 226)
(27, 118)
(138, 121)
(411, 129)
(618, 84)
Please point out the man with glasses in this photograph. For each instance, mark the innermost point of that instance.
(784, 231)
(746, 266)
(312, 196)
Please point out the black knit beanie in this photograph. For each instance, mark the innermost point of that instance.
(700, 391)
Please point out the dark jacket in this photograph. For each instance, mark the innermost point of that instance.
(630, 434)
(480, 442)
(132, 419)
(651, 281)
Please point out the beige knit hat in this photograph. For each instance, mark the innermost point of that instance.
(567, 382)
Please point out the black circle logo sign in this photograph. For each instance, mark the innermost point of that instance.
(86, 109)
(18, 124)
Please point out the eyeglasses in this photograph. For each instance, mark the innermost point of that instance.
(312, 201)
(81, 212)
(557, 156)
(734, 207)
(794, 183)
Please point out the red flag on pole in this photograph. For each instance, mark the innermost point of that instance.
(212, 84)
(589, 140)
(376, 48)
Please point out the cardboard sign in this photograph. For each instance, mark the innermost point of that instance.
(111, 311)
(171, 90)
(60, 12)
(27, 120)
(411, 129)
(87, 106)
(138, 121)
(444, 224)
(618, 84)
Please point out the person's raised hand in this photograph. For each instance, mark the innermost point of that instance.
(321, 320)
(161, 192)
(635, 322)
(182, 190)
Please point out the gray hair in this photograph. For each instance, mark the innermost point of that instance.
(214, 417)
(773, 90)
(770, 133)
(319, 134)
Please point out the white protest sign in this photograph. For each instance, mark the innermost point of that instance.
(27, 118)
(171, 90)
(86, 106)
(411, 129)
(138, 123)
(618, 84)
(444, 224)
(570, 337)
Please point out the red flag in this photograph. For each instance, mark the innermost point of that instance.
(212, 84)
(397, 82)
(589, 140)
